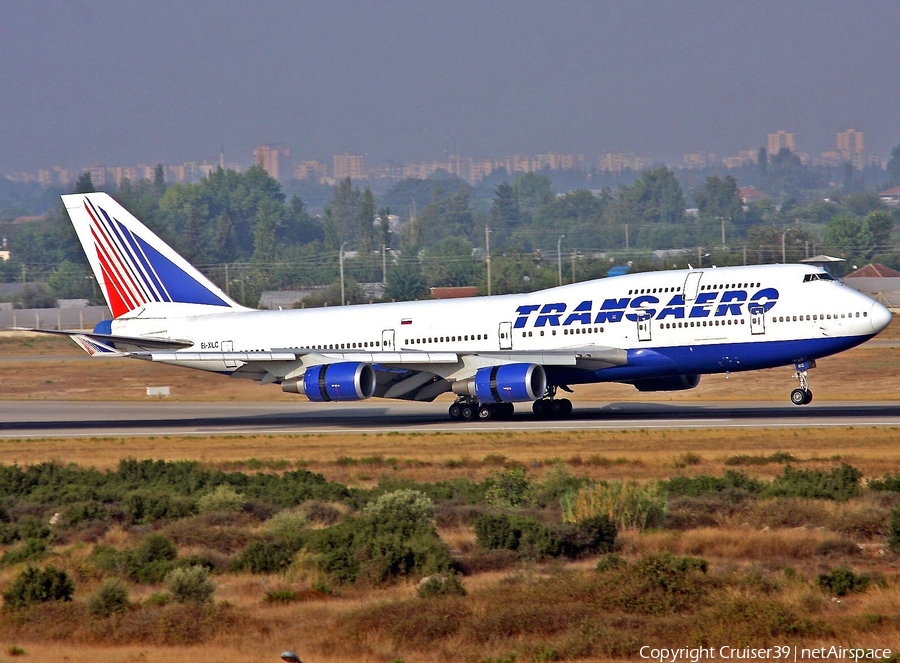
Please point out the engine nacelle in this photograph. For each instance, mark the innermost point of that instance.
(506, 383)
(343, 381)
(672, 383)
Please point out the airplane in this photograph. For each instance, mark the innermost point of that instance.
(658, 331)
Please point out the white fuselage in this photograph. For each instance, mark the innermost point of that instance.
(693, 321)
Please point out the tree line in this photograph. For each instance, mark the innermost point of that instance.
(248, 236)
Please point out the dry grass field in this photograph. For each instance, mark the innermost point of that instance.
(763, 555)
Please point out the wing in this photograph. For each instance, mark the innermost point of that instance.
(407, 374)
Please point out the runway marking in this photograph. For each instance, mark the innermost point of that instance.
(299, 432)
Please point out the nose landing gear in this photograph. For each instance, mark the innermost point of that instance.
(803, 395)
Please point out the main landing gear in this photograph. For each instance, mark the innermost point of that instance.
(803, 395)
(550, 407)
(468, 409)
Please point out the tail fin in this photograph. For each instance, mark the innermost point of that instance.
(133, 266)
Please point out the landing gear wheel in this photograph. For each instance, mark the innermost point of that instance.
(541, 408)
(455, 412)
(507, 410)
(486, 412)
(808, 397)
(799, 396)
(566, 407)
(466, 413)
(557, 409)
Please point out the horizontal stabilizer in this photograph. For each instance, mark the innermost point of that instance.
(109, 340)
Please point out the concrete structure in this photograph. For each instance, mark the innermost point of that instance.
(55, 318)
(778, 141)
(349, 165)
(274, 159)
(879, 282)
(891, 196)
(851, 145)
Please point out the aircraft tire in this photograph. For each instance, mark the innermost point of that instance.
(567, 407)
(455, 412)
(808, 397)
(798, 397)
(466, 413)
(486, 412)
(541, 408)
(508, 409)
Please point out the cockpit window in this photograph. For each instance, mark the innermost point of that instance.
(823, 276)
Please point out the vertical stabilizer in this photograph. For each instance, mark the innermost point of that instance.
(132, 265)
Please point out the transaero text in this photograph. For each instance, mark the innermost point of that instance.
(706, 304)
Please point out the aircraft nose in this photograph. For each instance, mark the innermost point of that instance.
(879, 316)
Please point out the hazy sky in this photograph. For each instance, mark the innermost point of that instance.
(126, 82)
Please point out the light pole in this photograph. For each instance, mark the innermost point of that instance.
(343, 301)
(559, 257)
(783, 249)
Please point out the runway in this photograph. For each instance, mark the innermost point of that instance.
(43, 419)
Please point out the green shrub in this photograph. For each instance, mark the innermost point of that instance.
(596, 534)
(85, 512)
(841, 483)
(108, 558)
(287, 525)
(31, 550)
(409, 508)
(610, 562)
(38, 585)
(777, 457)
(281, 596)
(110, 598)
(145, 506)
(34, 528)
(155, 548)
(534, 540)
(222, 498)
(661, 583)
(152, 560)
(558, 481)
(509, 487)
(190, 585)
(394, 537)
(734, 486)
(888, 483)
(842, 581)
(441, 585)
(629, 504)
(894, 530)
(495, 530)
(15, 650)
(264, 557)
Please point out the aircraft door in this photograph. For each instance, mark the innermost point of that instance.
(757, 320)
(691, 286)
(387, 340)
(228, 346)
(643, 326)
(505, 336)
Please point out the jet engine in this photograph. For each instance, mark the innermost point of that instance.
(671, 383)
(343, 381)
(507, 383)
